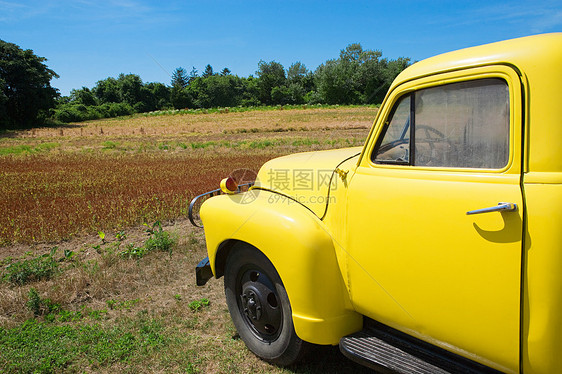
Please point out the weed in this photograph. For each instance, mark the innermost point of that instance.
(158, 239)
(111, 303)
(34, 302)
(69, 316)
(91, 267)
(40, 306)
(27, 270)
(121, 236)
(97, 247)
(202, 145)
(132, 251)
(191, 368)
(177, 297)
(121, 305)
(18, 149)
(109, 144)
(97, 314)
(46, 146)
(128, 304)
(261, 144)
(192, 242)
(198, 304)
(305, 142)
(44, 348)
(68, 254)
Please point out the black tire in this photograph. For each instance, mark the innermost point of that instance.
(260, 308)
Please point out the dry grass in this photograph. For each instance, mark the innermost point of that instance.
(155, 290)
(216, 123)
(69, 183)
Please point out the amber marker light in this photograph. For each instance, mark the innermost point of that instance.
(229, 185)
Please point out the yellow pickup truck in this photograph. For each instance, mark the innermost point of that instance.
(434, 248)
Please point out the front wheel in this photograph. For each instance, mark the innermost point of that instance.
(260, 308)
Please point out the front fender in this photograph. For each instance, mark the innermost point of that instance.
(302, 251)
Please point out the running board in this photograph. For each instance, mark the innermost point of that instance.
(390, 351)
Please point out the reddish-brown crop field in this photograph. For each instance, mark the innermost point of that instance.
(58, 183)
(46, 198)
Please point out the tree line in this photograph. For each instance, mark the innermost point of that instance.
(357, 76)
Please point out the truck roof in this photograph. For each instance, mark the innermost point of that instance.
(524, 53)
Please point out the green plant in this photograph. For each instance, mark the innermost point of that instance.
(34, 302)
(121, 305)
(202, 144)
(111, 303)
(110, 145)
(37, 347)
(68, 254)
(27, 270)
(132, 251)
(261, 144)
(158, 239)
(97, 247)
(305, 142)
(69, 316)
(40, 306)
(121, 236)
(97, 314)
(198, 304)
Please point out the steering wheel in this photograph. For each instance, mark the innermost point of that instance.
(433, 136)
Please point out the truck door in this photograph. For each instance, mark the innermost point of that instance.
(435, 214)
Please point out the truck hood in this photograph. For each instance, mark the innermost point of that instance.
(305, 177)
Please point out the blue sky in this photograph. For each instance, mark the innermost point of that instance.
(85, 41)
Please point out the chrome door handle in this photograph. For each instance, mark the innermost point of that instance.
(501, 207)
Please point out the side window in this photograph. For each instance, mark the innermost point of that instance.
(458, 125)
(395, 145)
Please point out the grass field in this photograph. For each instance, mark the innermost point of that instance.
(85, 286)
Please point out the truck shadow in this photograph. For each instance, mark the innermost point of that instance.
(328, 359)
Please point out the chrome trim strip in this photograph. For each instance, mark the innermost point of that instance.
(209, 194)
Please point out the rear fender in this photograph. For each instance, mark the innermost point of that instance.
(301, 249)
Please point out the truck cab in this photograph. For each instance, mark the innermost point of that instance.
(436, 247)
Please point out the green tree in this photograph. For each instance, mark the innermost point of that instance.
(25, 83)
(130, 88)
(83, 96)
(218, 91)
(181, 98)
(3, 103)
(270, 74)
(296, 72)
(300, 82)
(107, 91)
(225, 71)
(250, 92)
(357, 77)
(335, 83)
(192, 74)
(180, 78)
(157, 95)
(208, 71)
